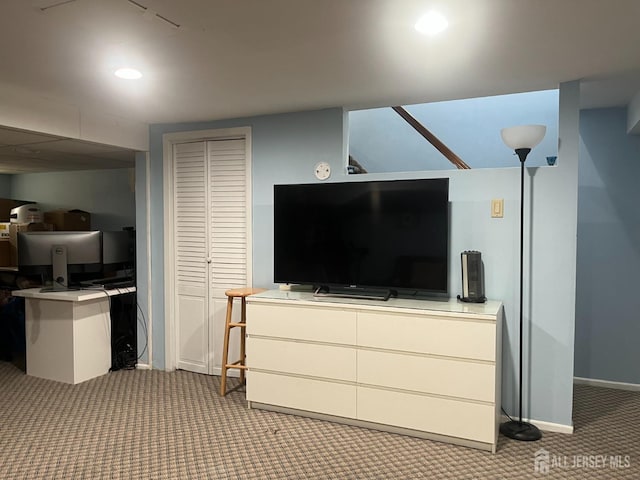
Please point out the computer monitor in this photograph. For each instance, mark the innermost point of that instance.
(118, 250)
(64, 258)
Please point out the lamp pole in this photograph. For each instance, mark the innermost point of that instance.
(520, 430)
(522, 154)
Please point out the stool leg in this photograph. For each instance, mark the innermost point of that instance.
(225, 349)
(243, 355)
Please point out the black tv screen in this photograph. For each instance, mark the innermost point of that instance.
(378, 234)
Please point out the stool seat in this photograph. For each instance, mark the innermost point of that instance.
(242, 294)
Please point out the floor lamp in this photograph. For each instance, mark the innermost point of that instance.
(522, 139)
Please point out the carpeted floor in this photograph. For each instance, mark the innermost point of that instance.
(142, 424)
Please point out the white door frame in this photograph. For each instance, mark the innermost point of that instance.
(168, 141)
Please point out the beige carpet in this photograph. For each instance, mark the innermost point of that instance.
(159, 425)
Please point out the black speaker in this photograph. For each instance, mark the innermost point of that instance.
(472, 277)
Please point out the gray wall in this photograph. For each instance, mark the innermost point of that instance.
(107, 194)
(5, 186)
(607, 301)
(287, 146)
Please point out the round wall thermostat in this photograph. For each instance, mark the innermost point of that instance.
(322, 170)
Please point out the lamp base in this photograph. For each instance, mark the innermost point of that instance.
(522, 431)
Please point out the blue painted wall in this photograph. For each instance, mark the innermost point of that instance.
(285, 149)
(607, 301)
(381, 141)
(107, 194)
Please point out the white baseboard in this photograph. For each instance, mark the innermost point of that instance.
(546, 426)
(560, 428)
(143, 366)
(594, 382)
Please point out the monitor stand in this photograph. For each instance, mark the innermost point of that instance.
(59, 266)
(358, 293)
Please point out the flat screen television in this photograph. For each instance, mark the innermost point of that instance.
(363, 236)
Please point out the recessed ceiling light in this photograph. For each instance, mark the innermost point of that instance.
(128, 73)
(432, 23)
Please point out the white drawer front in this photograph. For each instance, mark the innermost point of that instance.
(301, 393)
(320, 324)
(423, 334)
(454, 418)
(325, 361)
(440, 376)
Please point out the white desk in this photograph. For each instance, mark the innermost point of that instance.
(68, 334)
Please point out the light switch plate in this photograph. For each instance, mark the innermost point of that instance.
(497, 208)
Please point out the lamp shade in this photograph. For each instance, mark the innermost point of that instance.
(523, 136)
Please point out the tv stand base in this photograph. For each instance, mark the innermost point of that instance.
(359, 293)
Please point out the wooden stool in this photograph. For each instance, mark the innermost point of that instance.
(241, 293)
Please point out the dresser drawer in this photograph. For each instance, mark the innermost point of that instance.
(441, 376)
(325, 361)
(428, 334)
(302, 393)
(322, 324)
(466, 420)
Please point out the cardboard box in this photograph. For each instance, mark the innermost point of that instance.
(68, 220)
(4, 230)
(6, 204)
(16, 228)
(5, 252)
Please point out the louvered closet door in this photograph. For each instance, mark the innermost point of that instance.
(191, 247)
(229, 217)
(212, 215)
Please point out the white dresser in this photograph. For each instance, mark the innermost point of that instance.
(418, 367)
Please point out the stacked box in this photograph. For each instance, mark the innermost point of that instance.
(68, 220)
(4, 230)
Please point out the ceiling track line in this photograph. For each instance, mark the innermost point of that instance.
(136, 4)
(59, 4)
(150, 12)
(166, 20)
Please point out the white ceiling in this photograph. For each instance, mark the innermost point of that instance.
(30, 152)
(214, 59)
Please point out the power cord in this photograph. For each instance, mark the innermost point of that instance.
(505, 412)
(125, 352)
(142, 320)
(144, 327)
(124, 355)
